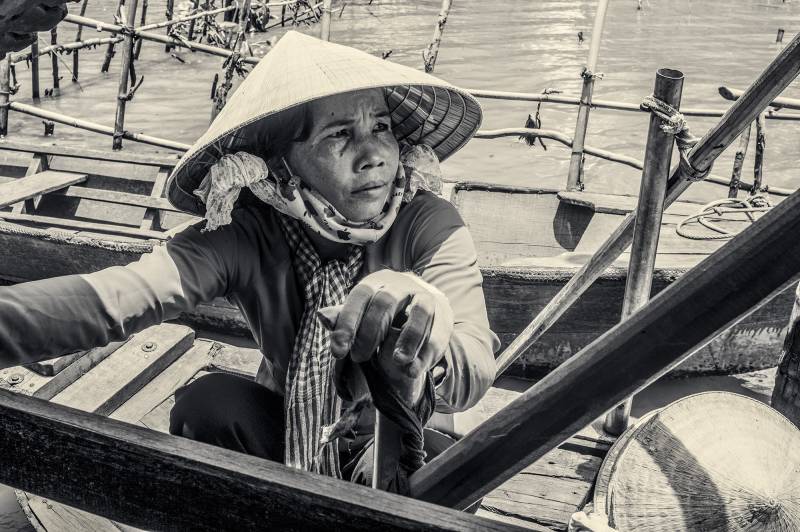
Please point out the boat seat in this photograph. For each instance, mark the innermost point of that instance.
(619, 204)
(28, 187)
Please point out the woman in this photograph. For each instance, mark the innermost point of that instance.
(328, 216)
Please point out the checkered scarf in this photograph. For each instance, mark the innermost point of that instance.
(311, 401)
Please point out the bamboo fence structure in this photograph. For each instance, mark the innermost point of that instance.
(78, 35)
(431, 53)
(127, 60)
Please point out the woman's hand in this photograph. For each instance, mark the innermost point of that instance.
(370, 309)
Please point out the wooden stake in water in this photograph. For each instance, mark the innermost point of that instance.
(35, 67)
(432, 52)
(142, 20)
(575, 177)
(110, 49)
(170, 9)
(5, 93)
(658, 154)
(738, 162)
(758, 165)
(122, 95)
(54, 57)
(75, 54)
(325, 23)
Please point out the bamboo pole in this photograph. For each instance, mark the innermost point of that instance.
(138, 46)
(192, 22)
(325, 23)
(575, 176)
(169, 12)
(600, 104)
(779, 102)
(122, 94)
(54, 57)
(95, 127)
(776, 77)
(431, 53)
(649, 211)
(244, 21)
(738, 162)
(110, 49)
(172, 22)
(764, 259)
(77, 45)
(758, 164)
(35, 67)
(78, 35)
(155, 37)
(5, 93)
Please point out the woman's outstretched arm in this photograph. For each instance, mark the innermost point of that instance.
(52, 317)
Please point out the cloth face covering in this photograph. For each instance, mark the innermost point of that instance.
(288, 194)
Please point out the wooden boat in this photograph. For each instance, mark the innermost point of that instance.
(66, 211)
(135, 381)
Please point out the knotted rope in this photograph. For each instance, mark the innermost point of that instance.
(674, 123)
(718, 209)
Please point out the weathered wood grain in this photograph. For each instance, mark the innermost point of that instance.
(34, 185)
(114, 380)
(759, 262)
(119, 198)
(78, 225)
(87, 153)
(619, 204)
(172, 483)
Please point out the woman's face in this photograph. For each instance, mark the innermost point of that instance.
(350, 155)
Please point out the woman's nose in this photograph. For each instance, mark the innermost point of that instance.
(370, 155)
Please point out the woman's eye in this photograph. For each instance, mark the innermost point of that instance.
(381, 127)
(342, 133)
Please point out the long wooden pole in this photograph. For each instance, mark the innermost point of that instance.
(95, 127)
(575, 176)
(325, 22)
(738, 162)
(78, 35)
(780, 102)
(155, 37)
(764, 259)
(172, 483)
(649, 211)
(758, 160)
(122, 94)
(5, 93)
(138, 46)
(172, 21)
(35, 67)
(602, 104)
(772, 81)
(431, 53)
(77, 45)
(54, 64)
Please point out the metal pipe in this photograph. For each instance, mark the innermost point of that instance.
(649, 211)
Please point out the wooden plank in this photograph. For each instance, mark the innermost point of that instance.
(177, 484)
(619, 204)
(165, 383)
(55, 517)
(763, 260)
(98, 155)
(240, 361)
(34, 185)
(32, 383)
(112, 382)
(48, 368)
(151, 216)
(120, 198)
(79, 225)
(38, 163)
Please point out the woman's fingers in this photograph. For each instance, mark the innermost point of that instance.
(349, 319)
(375, 323)
(416, 329)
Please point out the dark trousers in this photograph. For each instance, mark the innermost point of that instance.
(241, 415)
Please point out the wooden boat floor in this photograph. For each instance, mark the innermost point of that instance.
(135, 381)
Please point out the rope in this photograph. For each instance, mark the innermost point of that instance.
(717, 210)
(674, 123)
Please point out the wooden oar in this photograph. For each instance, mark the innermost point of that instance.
(772, 81)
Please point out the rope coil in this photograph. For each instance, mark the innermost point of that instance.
(715, 211)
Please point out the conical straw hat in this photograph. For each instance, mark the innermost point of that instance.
(424, 109)
(711, 461)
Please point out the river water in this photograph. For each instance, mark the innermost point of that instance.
(503, 45)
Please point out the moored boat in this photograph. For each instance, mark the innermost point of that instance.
(66, 211)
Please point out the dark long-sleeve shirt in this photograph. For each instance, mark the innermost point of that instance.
(249, 262)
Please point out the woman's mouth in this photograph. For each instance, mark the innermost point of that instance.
(371, 188)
